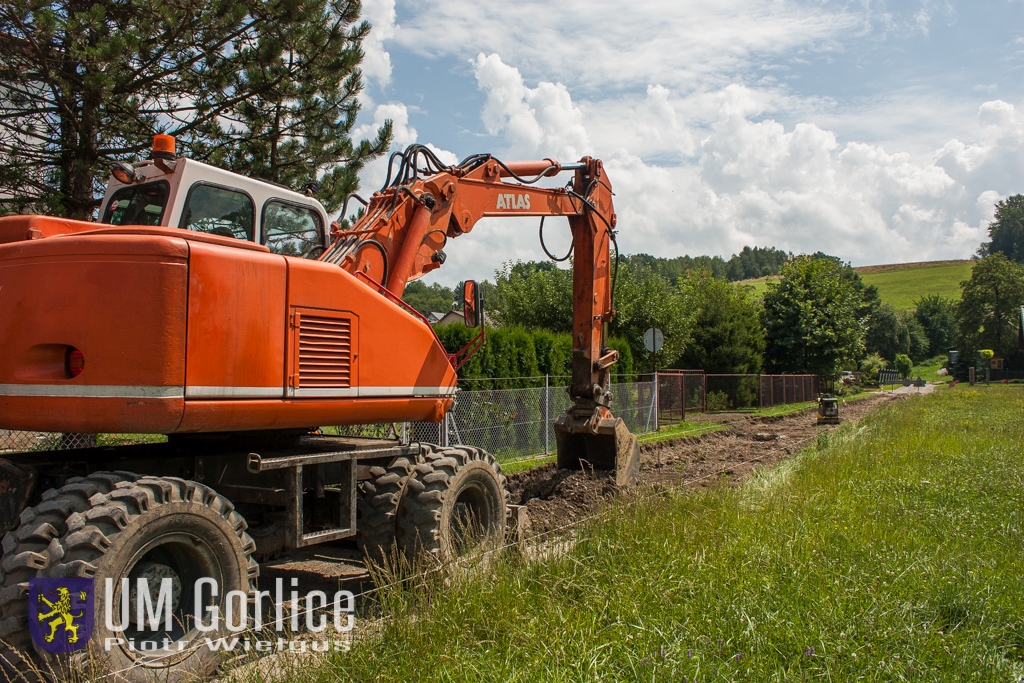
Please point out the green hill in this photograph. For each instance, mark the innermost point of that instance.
(901, 284)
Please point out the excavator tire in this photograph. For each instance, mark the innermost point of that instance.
(454, 499)
(26, 555)
(154, 527)
(377, 522)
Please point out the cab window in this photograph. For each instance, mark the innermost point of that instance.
(138, 204)
(292, 230)
(218, 211)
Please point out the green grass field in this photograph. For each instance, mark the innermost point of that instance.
(888, 550)
(903, 284)
(901, 287)
(928, 370)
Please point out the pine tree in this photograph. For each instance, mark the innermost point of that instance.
(85, 82)
(297, 126)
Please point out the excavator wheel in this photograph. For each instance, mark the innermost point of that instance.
(377, 522)
(153, 528)
(26, 555)
(455, 499)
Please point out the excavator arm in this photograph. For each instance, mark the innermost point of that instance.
(405, 227)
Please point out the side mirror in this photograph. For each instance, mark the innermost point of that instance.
(472, 304)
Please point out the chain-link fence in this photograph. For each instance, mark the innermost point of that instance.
(519, 423)
(730, 392)
(777, 390)
(679, 392)
(684, 391)
(510, 423)
(12, 441)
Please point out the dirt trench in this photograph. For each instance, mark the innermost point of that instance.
(557, 498)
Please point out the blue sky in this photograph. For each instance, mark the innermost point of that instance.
(877, 131)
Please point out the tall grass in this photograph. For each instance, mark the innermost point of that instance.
(890, 550)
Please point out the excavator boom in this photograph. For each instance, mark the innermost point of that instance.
(403, 231)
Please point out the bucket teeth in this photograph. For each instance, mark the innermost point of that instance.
(627, 456)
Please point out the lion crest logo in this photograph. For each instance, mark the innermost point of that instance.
(60, 613)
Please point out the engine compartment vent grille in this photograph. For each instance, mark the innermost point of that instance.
(325, 352)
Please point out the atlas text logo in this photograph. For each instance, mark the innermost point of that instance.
(513, 201)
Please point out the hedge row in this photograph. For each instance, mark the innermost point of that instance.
(515, 352)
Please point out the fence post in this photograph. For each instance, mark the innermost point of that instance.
(547, 413)
(657, 400)
(682, 397)
(405, 432)
(443, 436)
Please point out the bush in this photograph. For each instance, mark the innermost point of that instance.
(871, 365)
(849, 389)
(516, 352)
(717, 400)
(554, 352)
(903, 364)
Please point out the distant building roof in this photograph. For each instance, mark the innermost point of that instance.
(451, 317)
(454, 316)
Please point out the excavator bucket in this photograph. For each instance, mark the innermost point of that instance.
(610, 447)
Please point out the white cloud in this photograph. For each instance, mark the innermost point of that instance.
(534, 121)
(711, 138)
(751, 180)
(376, 63)
(600, 44)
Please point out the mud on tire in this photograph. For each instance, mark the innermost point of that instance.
(26, 555)
(377, 508)
(454, 499)
(154, 527)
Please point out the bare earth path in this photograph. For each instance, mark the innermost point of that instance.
(555, 498)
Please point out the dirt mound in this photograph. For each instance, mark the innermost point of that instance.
(556, 498)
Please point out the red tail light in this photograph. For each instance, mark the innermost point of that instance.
(74, 362)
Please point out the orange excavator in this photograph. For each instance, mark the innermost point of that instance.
(229, 314)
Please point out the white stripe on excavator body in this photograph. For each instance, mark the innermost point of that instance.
(204, 392)
(91, 391)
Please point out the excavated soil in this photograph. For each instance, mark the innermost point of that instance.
(556, 498)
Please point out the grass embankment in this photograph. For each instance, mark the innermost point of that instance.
(523, 464)
(901, 284)
(687, 428)
(891, 550)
